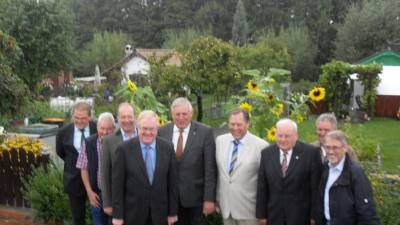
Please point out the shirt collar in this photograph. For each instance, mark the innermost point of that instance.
(124, 133)
(86, 129)
(185, 130)
(152, 145)
(339, 166)
(243, 140)
(289, 152)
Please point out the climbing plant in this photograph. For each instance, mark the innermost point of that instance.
(368, 76)
(334, 79)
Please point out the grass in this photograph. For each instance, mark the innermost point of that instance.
(386, 131)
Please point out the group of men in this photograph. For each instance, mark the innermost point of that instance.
(142, 174)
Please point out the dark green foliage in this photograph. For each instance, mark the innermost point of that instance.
(13, 91)
(334, 79)
(44, 190)
(43, 31)
(240, 27)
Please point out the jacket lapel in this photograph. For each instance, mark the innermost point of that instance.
(159, 159)
(226, 146)
(276, 160)
(137, 150)
(190, 139)
(294, 159)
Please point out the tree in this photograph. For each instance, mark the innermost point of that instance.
(180, 40)
(369, 29)
(43, 30)
(105, 50)
(240, 28)
(209, 67)
(13, 91)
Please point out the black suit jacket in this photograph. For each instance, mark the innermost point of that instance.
(66, 151)
(197, 168)
(292, 197)
(133, 197)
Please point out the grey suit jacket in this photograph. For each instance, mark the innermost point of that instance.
(110, 144)
(236, 193)
(197, 170)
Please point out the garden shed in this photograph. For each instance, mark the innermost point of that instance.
(388, 91)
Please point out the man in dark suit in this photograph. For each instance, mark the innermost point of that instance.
(126, 121)
(195, 150)
(144, 178)
(288, 179)
(68, 144)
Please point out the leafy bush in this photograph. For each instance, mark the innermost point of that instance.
(37, 110)
(44, 190)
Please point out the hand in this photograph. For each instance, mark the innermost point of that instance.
(108, 211)
(208, 207)
(94, 199)
(262, 221)
(172, 219)
(312, 222)
(117, 221)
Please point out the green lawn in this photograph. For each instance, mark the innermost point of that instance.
(384, 130)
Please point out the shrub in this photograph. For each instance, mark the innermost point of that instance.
(44, 190)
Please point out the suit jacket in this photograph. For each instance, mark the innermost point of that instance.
(65, 150)
(290, 198)
(134, 198)
(197, 172)
(110, 144)
(236, 193)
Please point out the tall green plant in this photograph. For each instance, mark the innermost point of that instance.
(368, 75)
(334, 79)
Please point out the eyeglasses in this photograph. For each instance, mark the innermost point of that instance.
(332, 147)
(149, 129)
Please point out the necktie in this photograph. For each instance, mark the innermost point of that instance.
(82, 135)
(179, 145)
(284, 164)
(234, 156)
(149, 163)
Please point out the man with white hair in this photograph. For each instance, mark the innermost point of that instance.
(288, 179)
(89, 163)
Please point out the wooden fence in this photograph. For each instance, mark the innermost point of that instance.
(15, 165)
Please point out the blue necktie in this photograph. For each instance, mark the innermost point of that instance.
(234, 156)
(149, 163)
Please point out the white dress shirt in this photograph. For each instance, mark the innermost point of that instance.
(334, 173)
(175, 136)
(288, 156)
(242, 143)
(78, 137)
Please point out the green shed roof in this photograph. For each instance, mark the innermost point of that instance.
(386, 58)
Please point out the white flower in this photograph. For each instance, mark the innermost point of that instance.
(1, 130)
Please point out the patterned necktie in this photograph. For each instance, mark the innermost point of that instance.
(284, 164)
(179, 145)
(234, 156)
(149, 163)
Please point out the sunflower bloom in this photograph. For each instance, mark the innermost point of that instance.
(253, 87)
(317, 94)
(271, 81)
(271, 134)
(132, 86)
(299, 119)
(270, 98)
(278, 110)
(161, 121)
(246, 106)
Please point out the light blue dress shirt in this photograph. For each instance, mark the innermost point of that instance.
(152, 153)
(334, 173)
(125, 136)
(78, 137)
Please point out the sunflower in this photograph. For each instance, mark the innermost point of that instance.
(253, 87)
(278, 110)
(246, 106)
(317, 94)
(270, 98)
(271, 81)
(132, 86)
(161, 121)
(271, 134)
(299, 119)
